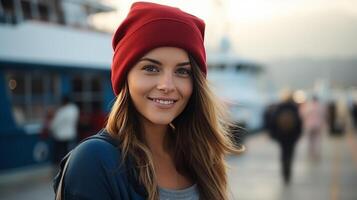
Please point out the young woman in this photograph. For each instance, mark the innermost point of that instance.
(166, 136)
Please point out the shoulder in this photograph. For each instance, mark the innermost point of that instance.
(96, 152)
(95, 170)
(71, 108)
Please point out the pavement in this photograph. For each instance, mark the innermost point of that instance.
(254, 175)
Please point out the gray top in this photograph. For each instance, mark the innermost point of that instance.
(190, 193)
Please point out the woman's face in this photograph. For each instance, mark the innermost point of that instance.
(160, 84)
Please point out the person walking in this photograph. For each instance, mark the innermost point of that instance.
(63, 128)
(354, 114)
(286, 127)
(166, 135)
(314, 118)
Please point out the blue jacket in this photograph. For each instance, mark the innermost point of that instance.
(95, 171)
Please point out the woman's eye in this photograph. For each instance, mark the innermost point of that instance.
(183, 72)
(151, 68)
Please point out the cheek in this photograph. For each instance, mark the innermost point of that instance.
(137, 89)
(185, 89)
(138, 85)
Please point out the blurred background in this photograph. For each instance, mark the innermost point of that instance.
(261, 54)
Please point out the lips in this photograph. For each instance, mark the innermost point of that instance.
(163, 101)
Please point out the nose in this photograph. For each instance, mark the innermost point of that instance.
(166, 83)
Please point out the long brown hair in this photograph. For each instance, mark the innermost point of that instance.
(203, 126)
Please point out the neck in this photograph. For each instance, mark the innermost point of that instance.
(155, 136)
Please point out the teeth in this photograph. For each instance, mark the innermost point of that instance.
(166, 102)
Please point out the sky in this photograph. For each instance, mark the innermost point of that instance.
(266, 29)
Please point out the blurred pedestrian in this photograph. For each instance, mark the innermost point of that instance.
(286, 127)
(63, 128)
(354, 113)
(166, 136)
(343, 117)
(331, 116)
(314, 118)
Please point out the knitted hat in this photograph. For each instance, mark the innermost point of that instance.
(148, 26)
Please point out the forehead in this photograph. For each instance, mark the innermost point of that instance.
(168, 54)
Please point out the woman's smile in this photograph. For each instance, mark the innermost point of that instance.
(162, 102)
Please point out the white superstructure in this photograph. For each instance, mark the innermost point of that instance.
(53, 32)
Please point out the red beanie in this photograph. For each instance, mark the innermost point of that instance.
(149, 26)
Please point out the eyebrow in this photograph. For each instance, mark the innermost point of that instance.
(159, 63)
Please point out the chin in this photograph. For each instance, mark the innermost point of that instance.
(157, 121)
